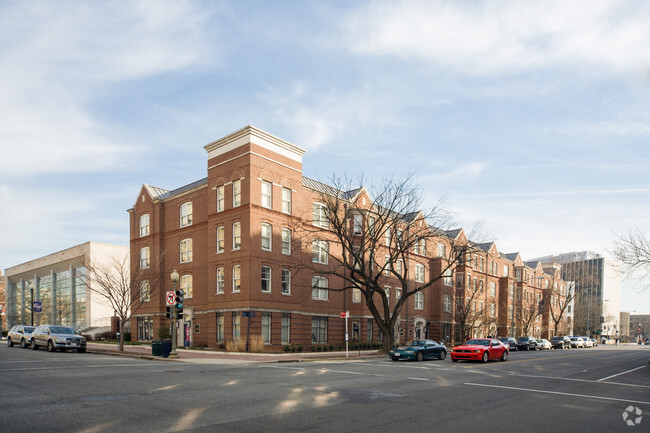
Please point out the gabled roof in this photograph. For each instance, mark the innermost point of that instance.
(162, 194)
(329, 190)
(453, 234)
(486, 246)
(511, 256)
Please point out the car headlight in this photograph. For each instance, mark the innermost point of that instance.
(476, 351)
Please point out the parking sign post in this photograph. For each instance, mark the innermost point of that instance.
(345, 316)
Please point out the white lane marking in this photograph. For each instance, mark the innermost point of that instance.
(582, 380)
(418, 378)
(330, 371)
(618, 374)
(85, 366)
(559, 393)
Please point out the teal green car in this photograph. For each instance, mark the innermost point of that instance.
(418, 350)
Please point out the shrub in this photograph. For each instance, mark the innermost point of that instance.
(286, 348)
(163, 332)
(127, 336)
(300, 347)
(235, 346)
(256, 344)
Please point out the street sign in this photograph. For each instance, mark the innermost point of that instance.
(38, 306)
(171, 298)
(248, 313)
(344, 315)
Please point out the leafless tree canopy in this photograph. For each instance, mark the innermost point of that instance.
(378, 233)
(633, 252)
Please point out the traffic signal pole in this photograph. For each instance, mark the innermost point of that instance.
(172, 327)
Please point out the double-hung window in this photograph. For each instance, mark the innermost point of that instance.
(447, 277)
(447, 303)
(266, 278)
(236, 193)
(357, 225)
(419, 301)
(320, 217)
(145, 291)
(442, 250)
(236, 278)
(267, 194)
(319, 329)
(319, 286)
(320, 252)
(266, 328)
(221, 242)
(186, 251)
(221, 198)
(285, 333)
(236, 236)
(145, 258)
(220, 280)
(286, 282)
(186, 286)
(286, 241)
(144, 225)
(266, 236)
(186, 214)
(419, 273)
(286, 200)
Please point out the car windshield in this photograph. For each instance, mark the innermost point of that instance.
(574, 338)
(418, 343)
(477, 342)
(29, 328)
(61, 330)
(523, 338)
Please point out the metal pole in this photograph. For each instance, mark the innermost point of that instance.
(347, 313)
(32, 292)
(173, 353)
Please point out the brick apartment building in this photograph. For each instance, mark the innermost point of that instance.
(234, 239)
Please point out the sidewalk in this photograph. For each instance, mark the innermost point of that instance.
(215, 357)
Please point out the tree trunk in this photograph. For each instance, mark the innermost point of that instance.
(120, 340)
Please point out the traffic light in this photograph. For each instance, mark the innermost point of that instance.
(168, 314)
(179, 302)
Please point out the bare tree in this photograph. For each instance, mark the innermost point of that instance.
(468, 317)
(123, 290)
(527, 316)
(353, 228)
(633, 253)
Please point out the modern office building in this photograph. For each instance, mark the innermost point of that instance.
(624, 333)
(234, 239)
(58, 285)
(597, 292)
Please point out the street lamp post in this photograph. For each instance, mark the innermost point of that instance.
(31, 290)
(172, 327)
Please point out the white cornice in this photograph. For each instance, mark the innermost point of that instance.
(251, 134)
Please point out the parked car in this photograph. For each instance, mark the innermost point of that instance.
(20, 334)
(594, 342)
(588, 342)
(561, 342)
(511, 342)
(57, 338)
(544, 344)
(419, 350)
(526, 343)
(480, 349)
(577, 342)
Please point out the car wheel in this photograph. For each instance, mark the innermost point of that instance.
(50, 346)
(486, 356)
(527, 348)
(10, 343)
(34, 346)
(504, 356)
(442, 355)
(23, 343)
(419, 356)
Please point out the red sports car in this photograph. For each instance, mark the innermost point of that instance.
(480, 349)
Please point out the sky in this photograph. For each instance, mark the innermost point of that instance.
(530, 118)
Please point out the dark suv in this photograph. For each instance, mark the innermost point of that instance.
(526, 343)
(511, 342)
(561, 342)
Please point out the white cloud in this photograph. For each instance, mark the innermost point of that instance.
(504, 37)
(57, 61)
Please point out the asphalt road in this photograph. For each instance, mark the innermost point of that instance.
(584, 390)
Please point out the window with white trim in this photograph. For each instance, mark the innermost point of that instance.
(286, 282)
(388, 266)
(236, 235)
(220, 327)
(145, 258)
(236, 278)
(447, 303)
(266, 328)
(186, 214)
(266, 236)
(236, 193)
(145, 291)
(144, 225)
(447, 277)
(442, 250)
(357, 225)
(320, 217)
(493, 288)
(236, 325)
(387, 292)
(286, 200)
(419, 301)
(506, 270)
(221, 281)
(356, 295)
(186, 286)
(319, 330)
(267, 194)
(221, 198)
(266, 279)
(221, 242)
(286, 241)
(285, 332)
(186, 250)
(387, 236)
(419, 273)
(320, 252)
(319, 285)
(493, 310)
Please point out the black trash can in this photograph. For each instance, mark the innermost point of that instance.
(166, 348)
(156, 348)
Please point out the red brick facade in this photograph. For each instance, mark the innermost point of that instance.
(252, 159)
